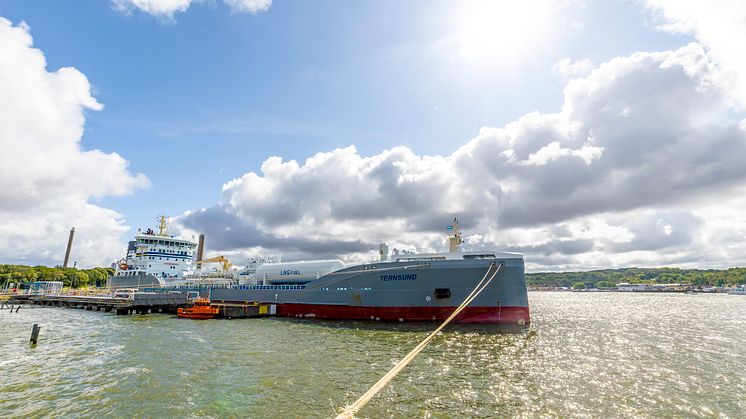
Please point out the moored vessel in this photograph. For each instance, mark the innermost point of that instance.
(410, 287)
(154, 260)
(202, 309)
(404, 287)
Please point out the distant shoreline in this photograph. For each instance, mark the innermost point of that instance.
(608, 279)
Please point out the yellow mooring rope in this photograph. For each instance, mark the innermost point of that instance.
(350, 411)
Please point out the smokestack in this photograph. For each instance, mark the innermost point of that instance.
(69, 247)
(200, 249)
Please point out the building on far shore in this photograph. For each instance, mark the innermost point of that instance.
(626, 287)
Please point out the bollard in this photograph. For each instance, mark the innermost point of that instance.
(34, 334)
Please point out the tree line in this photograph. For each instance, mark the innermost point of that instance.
(608, 278)
(70, 277)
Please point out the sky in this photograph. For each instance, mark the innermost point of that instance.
(583, 134)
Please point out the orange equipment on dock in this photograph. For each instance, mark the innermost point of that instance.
(200, 310)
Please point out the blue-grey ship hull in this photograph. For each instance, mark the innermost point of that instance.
(399, 291)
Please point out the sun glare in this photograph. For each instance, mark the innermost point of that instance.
(490, 32)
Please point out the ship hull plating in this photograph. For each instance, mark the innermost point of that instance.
(505, 315)
(400, 291)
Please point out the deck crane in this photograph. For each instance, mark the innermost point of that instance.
(219, 259)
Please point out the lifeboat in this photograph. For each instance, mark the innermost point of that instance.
(200, 310)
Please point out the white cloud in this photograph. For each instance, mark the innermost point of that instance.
(719, 25)
(250, 6)
(554, 151)
(46, 178)
(568, 69)
(166, 9)
(619, 175)
(158, 8)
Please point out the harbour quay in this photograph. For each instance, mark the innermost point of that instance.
(134, 303)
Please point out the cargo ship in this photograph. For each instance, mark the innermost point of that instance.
(154, 260)
(403, 287)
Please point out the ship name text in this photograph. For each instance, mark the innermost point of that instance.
(400, 277)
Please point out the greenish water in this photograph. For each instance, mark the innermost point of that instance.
(585, 355)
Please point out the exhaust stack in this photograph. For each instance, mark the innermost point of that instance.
(69, 247)
(200, 249)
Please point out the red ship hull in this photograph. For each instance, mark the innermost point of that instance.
(494, 315)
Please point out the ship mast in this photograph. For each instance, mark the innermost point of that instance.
(162, 225)
(454, 241)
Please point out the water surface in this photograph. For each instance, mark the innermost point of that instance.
(585, 355)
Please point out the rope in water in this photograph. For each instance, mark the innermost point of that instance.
(350, 411)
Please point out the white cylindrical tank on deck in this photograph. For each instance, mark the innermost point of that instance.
(294, 272)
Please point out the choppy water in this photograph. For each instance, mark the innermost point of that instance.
(585, 355)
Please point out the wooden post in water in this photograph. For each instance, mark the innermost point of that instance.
(34, 334)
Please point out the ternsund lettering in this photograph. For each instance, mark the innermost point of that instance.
(400, 277)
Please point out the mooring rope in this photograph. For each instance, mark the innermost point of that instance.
(350, 411)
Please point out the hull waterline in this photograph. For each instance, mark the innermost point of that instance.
(480, 315)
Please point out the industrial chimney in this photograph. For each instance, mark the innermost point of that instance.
(69, 247)
(200, 249)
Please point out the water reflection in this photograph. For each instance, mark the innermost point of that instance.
(409, 327)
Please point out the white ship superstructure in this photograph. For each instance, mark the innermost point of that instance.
(155, 260)
(165, 257)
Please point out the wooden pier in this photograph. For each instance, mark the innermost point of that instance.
(138, 303)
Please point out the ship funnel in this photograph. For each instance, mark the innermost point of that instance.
(383, 252)
(69, 247)
(200, 249)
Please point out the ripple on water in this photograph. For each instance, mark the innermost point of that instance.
(585, 355)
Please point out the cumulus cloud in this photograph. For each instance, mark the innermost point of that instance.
(46, 178)
(168, 8)
(720, 26)
(637, 141)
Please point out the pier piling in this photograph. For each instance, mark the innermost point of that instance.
(34, 334)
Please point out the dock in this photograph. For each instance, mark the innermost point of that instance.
(143, 303)
(243, 310)
(137, 303)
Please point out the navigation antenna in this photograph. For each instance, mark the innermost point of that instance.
(162, 225)
(454, 241)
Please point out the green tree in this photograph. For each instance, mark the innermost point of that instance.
(5, 279)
